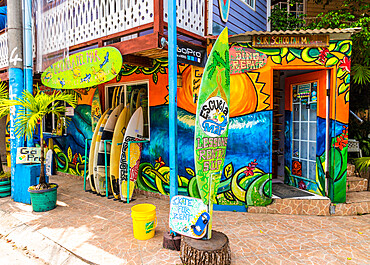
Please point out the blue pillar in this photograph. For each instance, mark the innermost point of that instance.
(172, 76)
(27, 51)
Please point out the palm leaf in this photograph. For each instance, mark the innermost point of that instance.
(35, 108)
(362, 163)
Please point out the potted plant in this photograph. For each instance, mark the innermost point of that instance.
(32, 110)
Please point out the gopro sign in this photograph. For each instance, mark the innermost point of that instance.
(191, 55)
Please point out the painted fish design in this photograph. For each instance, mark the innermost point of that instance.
(106, 60)
(86, 78)
(62, 82)
(48, 76)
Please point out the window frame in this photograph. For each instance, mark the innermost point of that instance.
(53, 117)
(125, 84)
(245, 2)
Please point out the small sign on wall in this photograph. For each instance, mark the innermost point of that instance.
(70, 111)
(28, 155)
(244, 59)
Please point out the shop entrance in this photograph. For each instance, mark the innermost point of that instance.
(299, 100)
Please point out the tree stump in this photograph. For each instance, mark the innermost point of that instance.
(215, 251)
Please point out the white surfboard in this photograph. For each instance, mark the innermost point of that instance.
(97, 146)
(49, 163)
(133, 132)
(107, 134)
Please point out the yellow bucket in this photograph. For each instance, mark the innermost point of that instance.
(144, 221)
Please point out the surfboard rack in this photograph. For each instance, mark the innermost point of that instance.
(129, 167)
(86, 141)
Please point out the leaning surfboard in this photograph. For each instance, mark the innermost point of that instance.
(97, 146)
(107, 135)
(92, 151)
(212, 120)
(119, 133)
(133, 132)
(95, 109)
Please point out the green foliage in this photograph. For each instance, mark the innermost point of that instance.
(362, 163)
(34, 108)
(4, 95)
(282, 20)
(352, 14)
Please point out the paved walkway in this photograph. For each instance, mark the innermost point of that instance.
(86, 228)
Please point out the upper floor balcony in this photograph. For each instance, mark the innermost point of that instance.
(135, 27)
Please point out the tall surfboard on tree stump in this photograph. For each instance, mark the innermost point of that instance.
(212, 120)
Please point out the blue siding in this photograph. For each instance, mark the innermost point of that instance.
(241, 17)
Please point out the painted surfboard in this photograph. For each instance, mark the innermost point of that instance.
(49, 165)
(95, 109)
(224, 6)
(92, 152)
(97, 146)
(188, 216)
(212, 120)
(133, 132)
(84, 69)
(106, 135)
(119, 133)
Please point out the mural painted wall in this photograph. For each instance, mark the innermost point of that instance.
(247, 171)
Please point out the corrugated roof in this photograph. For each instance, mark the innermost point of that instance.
(302, 31)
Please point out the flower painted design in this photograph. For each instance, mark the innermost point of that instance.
(251, 166)
(323, 53)
(341, 140)
(302, 185)
(159, 162)
(345, 64)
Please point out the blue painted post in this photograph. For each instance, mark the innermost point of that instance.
(172, 76)
(19, 178)
(27, 51)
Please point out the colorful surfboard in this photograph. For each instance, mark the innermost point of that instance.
(97, 146)
(212, 120)
(133, 132)
(49, 163)
(95, 109)
(107, 134)
(92, 152)
(119, 133)
(84, 69)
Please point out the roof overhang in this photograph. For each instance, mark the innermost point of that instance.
(334, 34)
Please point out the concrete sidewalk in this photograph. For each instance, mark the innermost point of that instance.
(89, 229)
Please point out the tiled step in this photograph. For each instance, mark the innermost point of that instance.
(356, 184)
(294, 206)
(357, 203)
(351, 170)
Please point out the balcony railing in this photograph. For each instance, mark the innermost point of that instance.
(78, 21)
(75, 22)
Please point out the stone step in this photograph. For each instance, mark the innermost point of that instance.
(356, 184)
(351, 171)
(294, 206)
(357, 203)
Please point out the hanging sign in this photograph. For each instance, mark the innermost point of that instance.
(188, 216)
(244, 59)
(291, 41)
(26, 155)
(191, 54)
(224, 6)
(84, 69)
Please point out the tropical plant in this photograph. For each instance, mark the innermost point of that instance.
(32, 110)
(362, 163)
(3, 112)
(280, 19)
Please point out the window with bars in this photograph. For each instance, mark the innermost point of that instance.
(250, 3)
(304, 131)
(296, 7)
